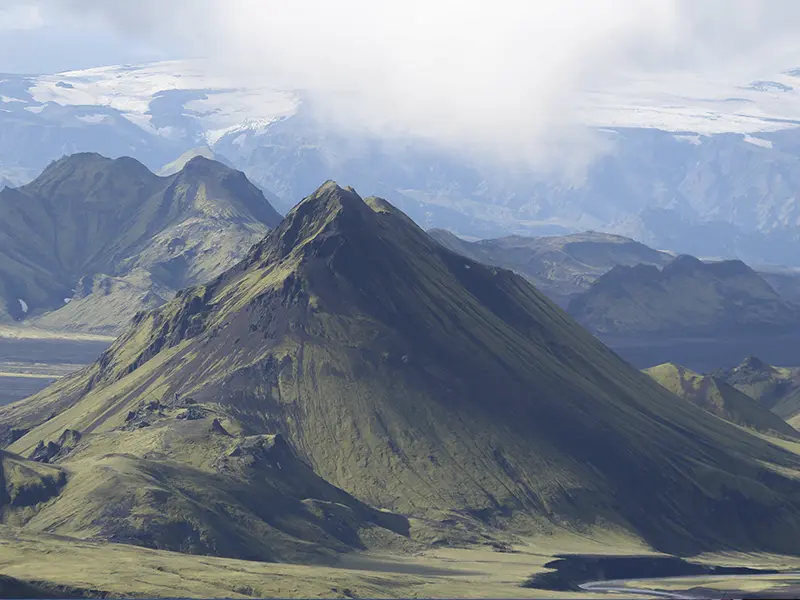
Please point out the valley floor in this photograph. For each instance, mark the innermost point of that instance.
(80, 567)
(88, 567)
(706, 354)
(31, 359)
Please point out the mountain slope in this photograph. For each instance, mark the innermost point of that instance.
(719, 398)
(775, 388)
(559, 266)
(421, 382)
(88, 216)
(686, 296)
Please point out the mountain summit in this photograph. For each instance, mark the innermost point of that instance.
(89, 225)
(415, 380)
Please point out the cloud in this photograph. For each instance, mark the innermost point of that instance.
(495, 77)
(17, 16)
(500, 78)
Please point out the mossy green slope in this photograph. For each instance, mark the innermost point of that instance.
(685, 297)
(25, 485)
(719, 398)
(421, 382)
(174, 478)
(88, 216)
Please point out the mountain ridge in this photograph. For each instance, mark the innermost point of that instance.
(686, 296)
(90, 216)
(561, 266)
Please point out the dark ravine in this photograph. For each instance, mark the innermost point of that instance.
(570, 571)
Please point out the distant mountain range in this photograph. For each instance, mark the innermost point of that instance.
(614, 285)
(560, 266)
(351, 362)
(687, 297)
(698, 167)
(92, 241)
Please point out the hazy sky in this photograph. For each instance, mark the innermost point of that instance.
(492, 74)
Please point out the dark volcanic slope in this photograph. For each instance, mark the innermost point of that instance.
(685, 297)
(423, 382)
(87, 215)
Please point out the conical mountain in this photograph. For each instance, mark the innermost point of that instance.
(87, 216)
(420, 382)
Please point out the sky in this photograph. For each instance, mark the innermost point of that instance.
(502, 77)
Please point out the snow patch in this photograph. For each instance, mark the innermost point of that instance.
(757, 141)
(225, 103)
(94, 119)
(694, 140)
(23, 305)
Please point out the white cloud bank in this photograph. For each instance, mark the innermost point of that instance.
(498, 77)
(15, 16)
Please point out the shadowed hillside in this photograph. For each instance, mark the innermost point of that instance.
(415, 379)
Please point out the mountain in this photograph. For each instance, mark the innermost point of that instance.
(414, 379)
(687, 296)
(702, 167)
(109, 238)
(559, 266)
(775, 388)
(720, 399)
